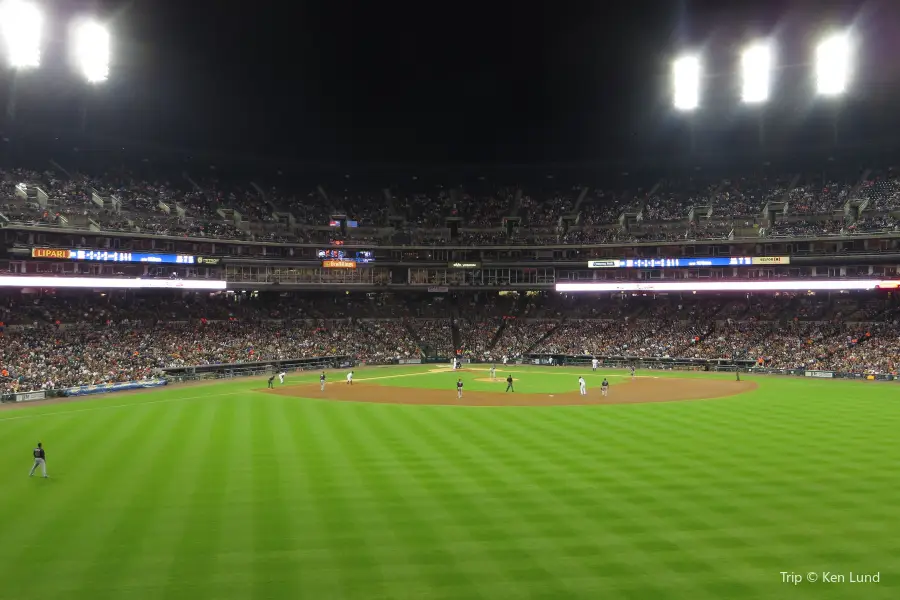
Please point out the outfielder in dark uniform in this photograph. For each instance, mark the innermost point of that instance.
(322, 381)
(40, 459)
(272, 381)
(604, 387)
(459, 387)
(509, 385)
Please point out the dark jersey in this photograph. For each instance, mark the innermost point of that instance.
(459, 385)
(604, 384)
(39, 453)
(322, 377)
(509, 380)
(271, 379)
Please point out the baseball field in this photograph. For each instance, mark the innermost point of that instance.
(394, 488)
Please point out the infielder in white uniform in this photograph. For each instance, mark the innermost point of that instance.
(350, 378)
(281, 377)
(582, 386)
(493, 372)
(594, 364)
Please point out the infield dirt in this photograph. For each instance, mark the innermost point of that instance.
(631, 392)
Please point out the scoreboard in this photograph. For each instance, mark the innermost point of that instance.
(676, 263)
(346, 256)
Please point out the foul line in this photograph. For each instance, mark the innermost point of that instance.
(95, 408)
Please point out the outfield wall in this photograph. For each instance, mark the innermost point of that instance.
(696, 364)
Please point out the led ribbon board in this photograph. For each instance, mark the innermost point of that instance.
(110, 283)
(697, 261)
(116, 256)
(733, 286)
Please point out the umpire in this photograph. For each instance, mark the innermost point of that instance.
(509, 385)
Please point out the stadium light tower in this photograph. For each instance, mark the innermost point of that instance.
(686, 83)
(756, 69)
(833, 65)
(21, 25)
(90, 49)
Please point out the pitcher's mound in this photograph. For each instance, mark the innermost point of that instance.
(638, 391)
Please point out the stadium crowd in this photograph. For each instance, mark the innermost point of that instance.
(49, 342)
(211, 207)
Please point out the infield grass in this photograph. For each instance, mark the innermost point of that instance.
(220, 492)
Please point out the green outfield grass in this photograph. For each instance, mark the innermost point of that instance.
(221, 492)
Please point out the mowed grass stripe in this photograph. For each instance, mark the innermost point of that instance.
(473, 495)
(277, 531)
(366, 544)
(146, 478)
(319, 556)
(535, 507)
(196, 525)
(58, 526)
(65, 440)
(411, 481)
(157, 509)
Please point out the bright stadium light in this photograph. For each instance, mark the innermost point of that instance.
(833, 65)
(21, 26)
(731, 286)
(686, 83)
(90, 48)
(756, 67)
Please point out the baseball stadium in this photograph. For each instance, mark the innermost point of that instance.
(277, 323)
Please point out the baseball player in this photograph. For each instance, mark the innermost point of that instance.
(509, 384)
(272, 381)
(40, 459)
(594, 363)
(604, 388)
(322, 381)
(632, 371)
(582, 386)
(493, 372)
(505, 360)
(281, 377)
(737, 375)
(350, 378)
(459, 387)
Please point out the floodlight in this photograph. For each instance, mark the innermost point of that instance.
(756, 67)
(21, 25)
(686, 83)
(833, 65)
(90, 48)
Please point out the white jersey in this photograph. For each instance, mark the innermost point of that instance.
(281, 377)
(581, 382)
(349, 376)
(594, 363)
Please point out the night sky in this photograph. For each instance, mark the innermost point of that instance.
(463, 82)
